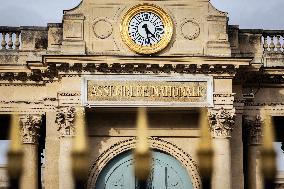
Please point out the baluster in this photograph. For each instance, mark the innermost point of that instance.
(283, 44)
(10, 43)
(278, 45)
(4, 43)
(265, 44)
(17, 42)
(272, 45)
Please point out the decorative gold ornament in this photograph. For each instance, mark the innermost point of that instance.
(146, 28)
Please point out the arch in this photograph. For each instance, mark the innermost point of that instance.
(155, 143)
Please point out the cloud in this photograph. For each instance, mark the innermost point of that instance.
(20, 16)
(33, 12)
(253, 13)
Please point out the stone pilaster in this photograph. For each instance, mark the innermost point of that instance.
(30, 125)
(52, 147)
(221, 124)
(253, 126)
(65, 119)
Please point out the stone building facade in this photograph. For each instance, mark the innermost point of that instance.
(85, 62)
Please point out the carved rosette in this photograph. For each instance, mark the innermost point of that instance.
(254, 130)
(65, 119)
(221, 122)
(30, 126)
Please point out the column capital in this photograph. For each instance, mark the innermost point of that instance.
(30, 126)
(221, 122)
(65, 120)
(253, 125)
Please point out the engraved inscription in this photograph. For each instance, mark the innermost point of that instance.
(189, 91)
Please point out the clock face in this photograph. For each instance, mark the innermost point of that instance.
(146, 29)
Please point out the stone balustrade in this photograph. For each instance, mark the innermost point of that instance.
(273, 41)
(3, 176)
(10, 38)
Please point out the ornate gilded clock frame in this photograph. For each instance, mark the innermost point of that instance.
(145, 7)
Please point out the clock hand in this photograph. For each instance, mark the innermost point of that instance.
(147, 32)
(151, 34)
(145, 26)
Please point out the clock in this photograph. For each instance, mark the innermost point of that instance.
(146, 29)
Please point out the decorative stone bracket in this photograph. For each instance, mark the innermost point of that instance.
(221, 122)
(65, 119)
(254, 130)
(30, 125)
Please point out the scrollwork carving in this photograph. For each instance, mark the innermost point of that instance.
(221, 122)
(65, 118)
(30, 125)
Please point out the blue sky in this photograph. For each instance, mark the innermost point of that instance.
(246, 13)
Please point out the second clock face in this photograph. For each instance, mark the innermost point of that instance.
(146, 29)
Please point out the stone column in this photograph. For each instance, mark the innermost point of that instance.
(221, 123)
(65, 118)
(30, 125)
(253, 127)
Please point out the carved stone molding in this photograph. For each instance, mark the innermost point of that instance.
(54, 71)
(254, 130)
(30, 125)
(249, 77)
(221, 122)
(65, 119)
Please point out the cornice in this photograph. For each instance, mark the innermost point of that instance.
(173, 60)
(53, 71)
